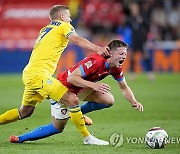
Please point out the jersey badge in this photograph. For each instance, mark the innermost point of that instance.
(49, 81)
(88, 64)
(63, 111)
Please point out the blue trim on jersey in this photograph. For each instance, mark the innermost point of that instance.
(55, 23)
(107, 65)
(82, 71)
(53, 103)
(120, 79)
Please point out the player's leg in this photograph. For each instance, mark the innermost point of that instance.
(72, 101)
(9, 116)
(96, 101)
(55, 127)
(30, 99)
(61, 113)
(55, 90)
(106, 98)
(60, 117)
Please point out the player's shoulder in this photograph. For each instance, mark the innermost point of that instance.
(96, 57)
(89, 60)
(43, 28)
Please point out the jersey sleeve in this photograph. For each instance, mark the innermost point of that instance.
(68, 29)
(117, 74)
(88, 67)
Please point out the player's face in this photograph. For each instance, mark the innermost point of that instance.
(118, 56)
(66, 16)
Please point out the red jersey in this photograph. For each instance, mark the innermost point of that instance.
(93, 68)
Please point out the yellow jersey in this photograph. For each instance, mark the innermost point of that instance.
(50, 44)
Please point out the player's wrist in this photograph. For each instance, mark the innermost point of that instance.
(91, 85)
(133, 103)
(97, 48)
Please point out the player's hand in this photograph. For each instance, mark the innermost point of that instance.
(104, 51)
(138, 106)
(101, 87)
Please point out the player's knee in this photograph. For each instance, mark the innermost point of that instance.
(26, 111)
(110, 100)
(25, 114)
(74, 101)
(71, 99)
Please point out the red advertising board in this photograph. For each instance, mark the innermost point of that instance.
(21, 21)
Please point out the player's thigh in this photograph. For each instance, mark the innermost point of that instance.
(52, 88)
(59, 110)
(98, 97)
(31, 97)
(40, 87)
(84, 93)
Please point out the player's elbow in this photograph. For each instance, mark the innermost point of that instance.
(70, 79)
(123, 87)
(73, 79)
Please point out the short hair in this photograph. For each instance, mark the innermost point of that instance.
(54, 12)
(114, 44)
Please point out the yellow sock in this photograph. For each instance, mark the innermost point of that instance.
(9, 116)
(78, 120)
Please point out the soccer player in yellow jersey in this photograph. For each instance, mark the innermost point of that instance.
(37, 75)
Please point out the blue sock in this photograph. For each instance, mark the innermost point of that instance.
(39, 133)
(92, 106)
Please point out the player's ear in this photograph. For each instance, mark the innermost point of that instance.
(62, 17)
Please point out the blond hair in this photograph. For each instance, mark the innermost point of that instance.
(54, 13)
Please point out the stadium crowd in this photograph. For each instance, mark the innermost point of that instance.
(108, 17)
(139, 23)
(142, 24)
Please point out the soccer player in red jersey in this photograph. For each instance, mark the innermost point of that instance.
(81, 79)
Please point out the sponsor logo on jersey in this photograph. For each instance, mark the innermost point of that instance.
(88, 64)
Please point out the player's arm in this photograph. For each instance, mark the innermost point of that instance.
(76, 78)
(84, 43)
(128, 94)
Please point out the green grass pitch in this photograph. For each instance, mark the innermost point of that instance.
(161, 100)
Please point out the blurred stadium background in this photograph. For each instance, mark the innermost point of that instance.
(156, 26)
(99, 21)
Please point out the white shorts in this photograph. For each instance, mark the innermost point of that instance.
(60, 110)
